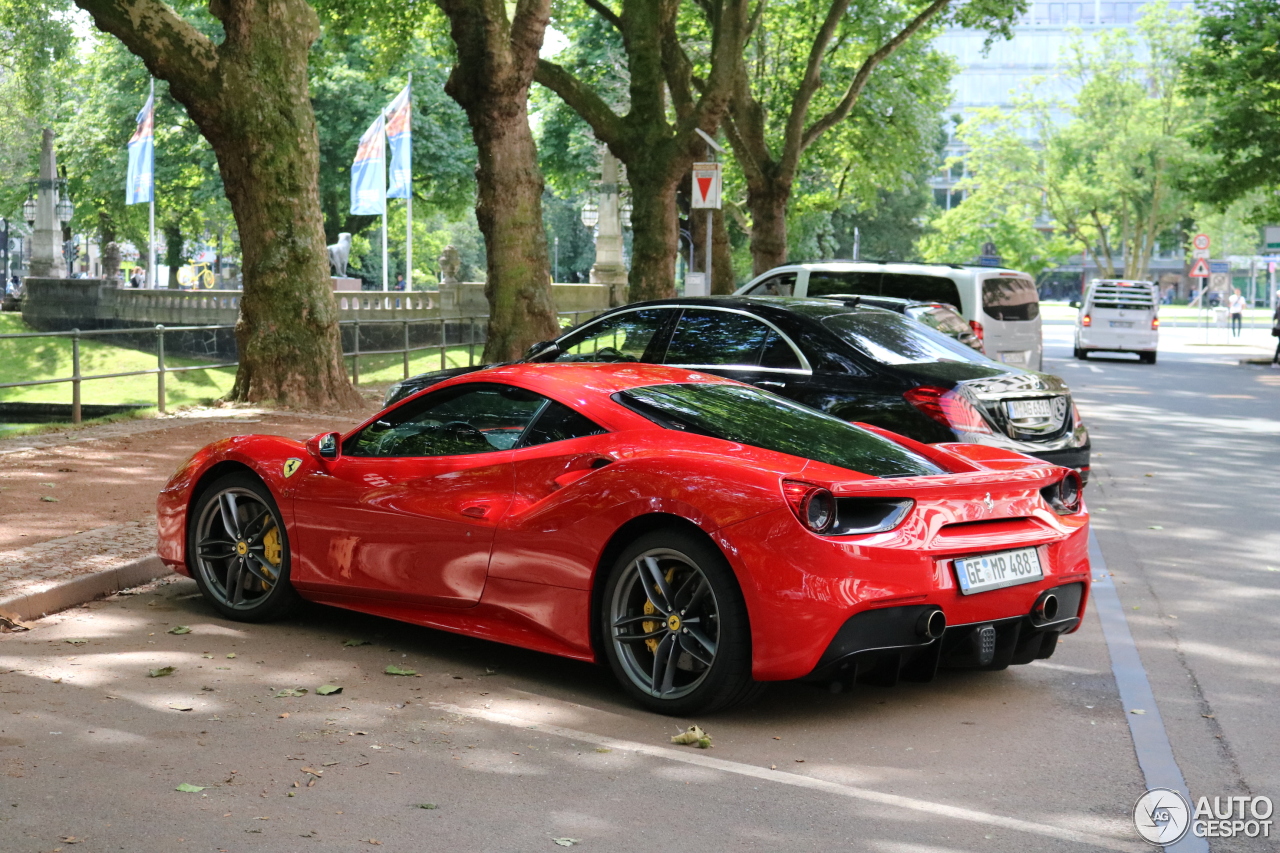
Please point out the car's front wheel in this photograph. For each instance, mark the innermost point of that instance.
(238, 550)
(675, 626)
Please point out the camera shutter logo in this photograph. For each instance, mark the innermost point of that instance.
(1162, 816)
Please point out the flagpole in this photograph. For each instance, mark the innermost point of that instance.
(151, 227)
(408, 205)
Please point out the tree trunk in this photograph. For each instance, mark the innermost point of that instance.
(173, 253)
(767, 201)
(655, 240)
(250, 98)
(496, 61)
(723, 281)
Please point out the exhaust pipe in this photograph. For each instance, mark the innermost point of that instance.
(1046, 608)
(931, 624)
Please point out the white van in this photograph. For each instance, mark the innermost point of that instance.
(1119, 316)
(1001, 305)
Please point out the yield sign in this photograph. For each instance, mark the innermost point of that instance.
(1200, 269)
(706, 185)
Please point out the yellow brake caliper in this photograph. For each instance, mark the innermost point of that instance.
(272, 550)
(649, 610)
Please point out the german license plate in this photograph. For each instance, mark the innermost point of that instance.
(1122, 324)
(996, 571)
(1021, 410)
(1018, 358)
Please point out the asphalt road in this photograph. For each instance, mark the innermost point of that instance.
(517, 749)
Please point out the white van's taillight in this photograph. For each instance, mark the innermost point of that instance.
(1086, 321)
(1155, 323)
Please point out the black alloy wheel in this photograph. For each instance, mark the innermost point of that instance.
(238, 550)
(675, 626)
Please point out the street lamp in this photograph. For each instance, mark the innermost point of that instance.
(29, 210)
(65, 209)
(590, 214)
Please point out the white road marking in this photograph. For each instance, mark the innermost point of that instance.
(1093, 368)
(782, 777)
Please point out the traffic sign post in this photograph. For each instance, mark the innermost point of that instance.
(1200, 269)
(1200, 241)
(706, 194)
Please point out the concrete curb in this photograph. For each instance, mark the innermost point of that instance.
(78, 590)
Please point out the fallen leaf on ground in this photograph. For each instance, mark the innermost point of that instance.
(693, 736)
(12, 623)
(189, 789)
(71, 839)
(179, 629)
(230, 656)
(1136, 711)
(48, 499)
(355, 642)
(392, 669)
(1156, 527)
(161, 671)
(426, 806)
(567, 842)
(180, 706)
(313, 771)
(285, 715)
(78, 641)
(292, 691)
(328, 689)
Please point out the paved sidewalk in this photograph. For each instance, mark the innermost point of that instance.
(77, 506)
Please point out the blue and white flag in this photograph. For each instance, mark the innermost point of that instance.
(140, 184)
(399, 137)
(369, 171)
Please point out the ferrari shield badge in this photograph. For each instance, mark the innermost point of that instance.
(291, 466)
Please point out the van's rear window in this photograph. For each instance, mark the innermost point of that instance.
(1123, 296)
(1010, 298)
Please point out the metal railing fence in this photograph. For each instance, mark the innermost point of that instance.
(161, 370)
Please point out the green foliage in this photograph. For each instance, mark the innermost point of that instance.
(1235, 67)
(1105, 180)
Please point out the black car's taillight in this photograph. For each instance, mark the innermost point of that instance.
(1064, 495)
(821, 512)
(948, 408)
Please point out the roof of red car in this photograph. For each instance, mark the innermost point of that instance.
(560, 379)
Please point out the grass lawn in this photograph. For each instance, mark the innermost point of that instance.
(25, 359)
(382, 369)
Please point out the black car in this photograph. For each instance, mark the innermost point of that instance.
(854, 361)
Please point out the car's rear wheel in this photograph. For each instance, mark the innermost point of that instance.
(1147, 357)
(1082, 353)
(238, 550)
(675, 626)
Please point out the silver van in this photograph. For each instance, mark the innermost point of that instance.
(1001, 305)
(1119, 316)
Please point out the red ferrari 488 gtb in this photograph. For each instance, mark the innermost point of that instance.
(701, 536)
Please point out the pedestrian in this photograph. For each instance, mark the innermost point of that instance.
(1235, 305)
(399, 281)
(135, 278)
(1275, 331)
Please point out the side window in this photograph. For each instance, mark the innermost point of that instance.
(850, 283)
(559, 423)
(620, 337)
(716, 337)
(1010, 299)
(925, 288)
(479, 418)
(783, 284)
(778, 353)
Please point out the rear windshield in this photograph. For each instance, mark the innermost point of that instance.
(921, 288)
(1010, 298)
(1135, 296)
(747, 415)
(891, 338)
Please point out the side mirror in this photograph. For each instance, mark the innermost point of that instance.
(542, 351)
(326, 445)
(1075, 303)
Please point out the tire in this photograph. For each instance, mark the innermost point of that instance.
(243, 573)
(1079, 353)
(669, 665)
(1147, 357)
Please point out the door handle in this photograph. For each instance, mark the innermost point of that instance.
(570, 477)
(771, 383)
(475, 510)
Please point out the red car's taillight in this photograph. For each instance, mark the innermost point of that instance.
(1086, 321)
(813, 505)
(1065, 495)
(977, 330)
(948, 408)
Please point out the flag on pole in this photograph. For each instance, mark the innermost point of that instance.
(369, 171)
(140, 184)
(399, 125)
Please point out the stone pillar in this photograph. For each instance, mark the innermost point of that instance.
(46, 241)
(609, 269)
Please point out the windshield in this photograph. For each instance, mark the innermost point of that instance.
(891, 338)
(747, 415)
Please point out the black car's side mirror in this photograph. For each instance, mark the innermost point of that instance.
(1075, 303)
(543, 351)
